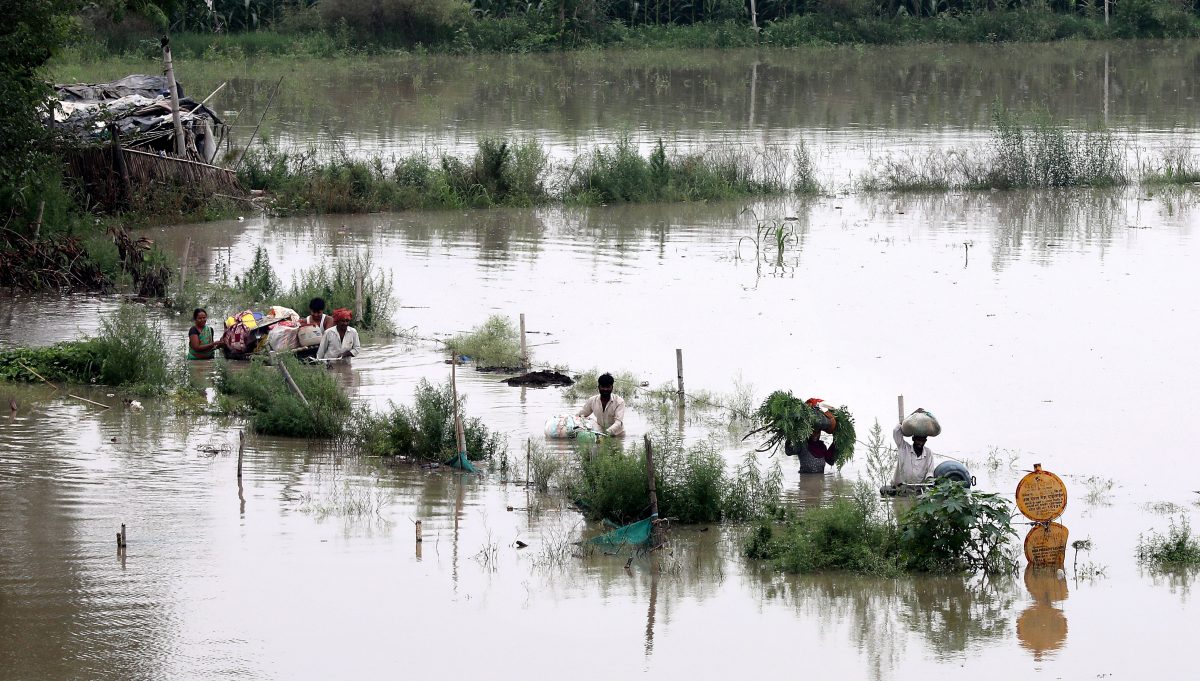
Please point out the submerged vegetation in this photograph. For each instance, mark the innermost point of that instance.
(949, 529)
(495, 344)
(129, 352)
(1178, 548)
(425, 430)
(260, 392)
(692, 483)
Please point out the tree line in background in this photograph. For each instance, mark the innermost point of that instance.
(524, 25)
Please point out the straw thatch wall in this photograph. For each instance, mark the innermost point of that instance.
(100, 174)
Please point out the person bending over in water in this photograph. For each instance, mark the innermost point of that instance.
(340, 342)
(200, 337)
(608, 408)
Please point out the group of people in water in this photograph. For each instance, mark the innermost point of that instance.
(339, 340)
(914, 460)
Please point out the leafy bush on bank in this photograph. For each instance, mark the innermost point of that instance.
(129, 352)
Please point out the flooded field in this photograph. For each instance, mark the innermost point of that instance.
(1042, 327)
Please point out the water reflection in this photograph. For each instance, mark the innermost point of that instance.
(1042, 627)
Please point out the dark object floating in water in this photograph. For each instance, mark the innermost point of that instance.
(539, 379)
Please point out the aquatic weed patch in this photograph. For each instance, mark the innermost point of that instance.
(1177, 548)
(424, 430)
(494, 344)
(260, 391)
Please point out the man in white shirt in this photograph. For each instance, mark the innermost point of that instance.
(340, 342)
(609, 409)
(914, 462)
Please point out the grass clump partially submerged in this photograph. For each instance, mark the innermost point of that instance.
(260, 392)
(1178, 548)
(129, 352)
(692, 483)
(495, 344)
(501, 173)
(621, 174)
(949, 530)
(425, 430)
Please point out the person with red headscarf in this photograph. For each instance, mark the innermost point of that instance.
(340, 342)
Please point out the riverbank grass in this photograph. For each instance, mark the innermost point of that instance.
(129, 352)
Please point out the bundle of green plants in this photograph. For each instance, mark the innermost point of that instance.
(952, 529)
(844, 436)
(494, 344)
(129, 352)
(786, 420)
(260, 391)
(1178, 548)
(425, 430)
(848, 535)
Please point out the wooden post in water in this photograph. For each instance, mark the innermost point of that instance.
(528, 461)
(418, 524)
(900, 406)
(121, 543)
(169, 71)
(187, 249)
(460, 437)
(524, 350)
(679, 369)
(655, 533)
(287, 377)
(1106, 70)
(358, 296)
(241, 452)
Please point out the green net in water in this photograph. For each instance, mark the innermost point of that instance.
(634, 534)
(461, 461)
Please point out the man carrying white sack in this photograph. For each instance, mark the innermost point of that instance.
(914, 462)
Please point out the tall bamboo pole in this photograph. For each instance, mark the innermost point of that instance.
(169, 70)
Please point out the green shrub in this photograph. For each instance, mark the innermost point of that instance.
(335, 283)
(952, 529)
(494, 344)
(129, 352)
(1177, 548)
(260, 391)
(847, 535)
(425, 430)
(258, 284)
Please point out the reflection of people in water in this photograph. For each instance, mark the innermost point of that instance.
(1042, 627)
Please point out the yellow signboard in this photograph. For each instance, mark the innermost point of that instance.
(1046, 545)
(1041, 495)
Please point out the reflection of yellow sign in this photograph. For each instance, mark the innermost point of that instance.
(1042, 628)
(1046, 545)
(1041, 495)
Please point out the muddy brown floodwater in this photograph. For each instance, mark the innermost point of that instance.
(1042, 327)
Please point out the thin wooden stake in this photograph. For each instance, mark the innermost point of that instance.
(655, 534)
(679, 368)
(187, 248)
(121, 543)
(169, 71)
(26, 368)
(358, 296)
(459, 436)
(528, 461)
(84, 399)
(260, 122)
(524, 350)
(900, 406)
(287, 377)
(37, 225)
(418, 524)
(241, 452)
